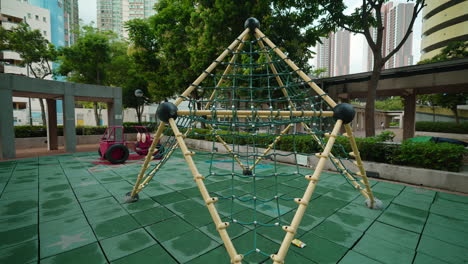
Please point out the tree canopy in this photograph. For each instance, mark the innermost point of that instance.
(176, 44)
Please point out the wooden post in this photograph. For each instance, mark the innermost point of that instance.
(303, 202)
(409, 116)
(209, 201)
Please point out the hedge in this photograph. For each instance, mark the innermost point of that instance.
(442, 127)
(41, 131)
(429, 155)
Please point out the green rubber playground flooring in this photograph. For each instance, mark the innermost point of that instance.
(66, 209)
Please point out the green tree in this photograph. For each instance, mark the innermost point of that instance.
(454, 50)
(184, 37)
(36, 52)
(87, 60)
(364, 20)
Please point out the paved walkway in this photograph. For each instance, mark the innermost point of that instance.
(68, 209)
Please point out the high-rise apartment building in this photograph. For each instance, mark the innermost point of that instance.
(396, 20)
(64, 20)
(333, 53)
(112, 14)
(12, 13)
(444, 21)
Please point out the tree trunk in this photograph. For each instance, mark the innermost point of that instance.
(96, 114)
(43, 115)
(139, 110)
(455, 111)
(370, 102)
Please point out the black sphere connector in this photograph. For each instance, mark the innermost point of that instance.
(252, 23)
(345, 112)
(166, 111)
(247, 172)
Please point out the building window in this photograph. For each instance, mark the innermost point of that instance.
(45, 33)
(37, 17)
(29, 15)
(44, 19)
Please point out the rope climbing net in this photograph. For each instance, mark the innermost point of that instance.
(260, 110)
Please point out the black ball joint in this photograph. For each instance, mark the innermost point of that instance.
(166, 111)
(252, 23)
(345, 112)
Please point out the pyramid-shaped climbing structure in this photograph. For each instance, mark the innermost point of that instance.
(255, 102)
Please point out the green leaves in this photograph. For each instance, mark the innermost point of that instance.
(36, 52)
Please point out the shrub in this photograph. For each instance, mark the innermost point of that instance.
(443, 127)
(430, 155)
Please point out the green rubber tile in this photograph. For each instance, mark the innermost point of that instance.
(353, 257)
(156, 188)
(249, 216)
(414, 200)
(153, 215)
(169, 198)
(448, 222)
(394, 235)
(337, 233)
(14, 222)
(115, 226)
(227, 207)
(442, 250)
(320, 250)
(18, 195)
(13, 187)
(63, 240)
(91, 192)
(106, 213)
(186, 206)
(420, 191)
(17, 236)
(422, 258)
(325, 206)
(99, 204)
(144, 203)
(61, 212)
(22, 253)
(452, 197)
(234, 230)
(276, 233)
(152, 254)
(245, 244)
(388, 185)
(91, 254)
(346, 196)
(355, 221)
(189, 245)
(404, 217)
(56, 188)
(18, 207)
(451, 209)
(386, 199)
(446, 234)
(383, 251)
(217, 255)
(126, 244)
(169, 228)
(197, 218)
(308, 221)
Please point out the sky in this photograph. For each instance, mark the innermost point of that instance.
(87, 9)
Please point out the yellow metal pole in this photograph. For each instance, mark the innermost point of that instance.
(209, 201)
(362, 171)
(148, 157)
(211, 67)
(304, 201)
(293, 66)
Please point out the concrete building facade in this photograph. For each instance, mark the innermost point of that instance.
(444, 21)
(112, 14)
(333, 53)
(395, 19)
